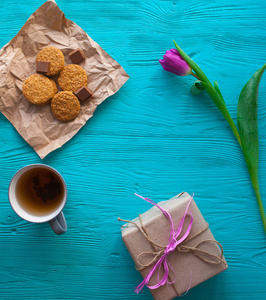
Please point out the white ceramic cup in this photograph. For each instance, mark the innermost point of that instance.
(56, 218)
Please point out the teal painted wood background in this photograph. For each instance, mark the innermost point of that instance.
(152, 137)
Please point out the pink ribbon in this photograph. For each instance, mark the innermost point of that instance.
(174, 241)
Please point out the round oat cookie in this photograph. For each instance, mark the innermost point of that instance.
(72, 78)
(65, 106)
(54, 85)
(38, 89)
(54, 56)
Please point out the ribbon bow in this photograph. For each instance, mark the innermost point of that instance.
(174, 240)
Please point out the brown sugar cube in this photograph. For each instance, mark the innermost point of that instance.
(76, 56)
(83, 94)
(43, 67)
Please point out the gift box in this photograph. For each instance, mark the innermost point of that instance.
(184, 255)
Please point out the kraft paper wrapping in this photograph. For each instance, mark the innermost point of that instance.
(49, 27)
(186, 266)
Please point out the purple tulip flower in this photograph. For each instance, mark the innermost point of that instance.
(174, 63)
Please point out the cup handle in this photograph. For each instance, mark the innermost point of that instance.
(58, 224)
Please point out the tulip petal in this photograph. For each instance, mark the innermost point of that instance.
(174, 63)
(165, 66)
(177, 64)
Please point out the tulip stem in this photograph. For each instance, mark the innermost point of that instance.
(196, 76)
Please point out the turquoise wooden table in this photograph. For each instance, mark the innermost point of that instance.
(152, 137)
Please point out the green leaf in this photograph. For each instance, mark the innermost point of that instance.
(248, 124)
(216, 87)
(248, 129)
(192, 64)
(219, 102)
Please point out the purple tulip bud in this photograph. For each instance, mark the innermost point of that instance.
(174, 63)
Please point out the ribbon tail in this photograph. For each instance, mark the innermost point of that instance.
(165, 212)
(172, 282)
(190, 280)
(148, 277)
(140, 286)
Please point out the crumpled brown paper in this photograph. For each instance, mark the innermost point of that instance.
(49, 27)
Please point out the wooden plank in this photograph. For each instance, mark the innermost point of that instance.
(153, 138)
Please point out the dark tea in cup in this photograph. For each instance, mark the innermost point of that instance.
(39, 191)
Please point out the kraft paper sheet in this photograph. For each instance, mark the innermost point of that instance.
(36, 124)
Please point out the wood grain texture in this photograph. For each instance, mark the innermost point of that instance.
(152, 137)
